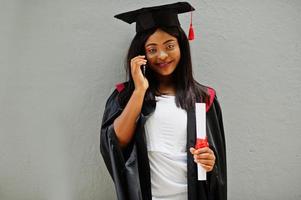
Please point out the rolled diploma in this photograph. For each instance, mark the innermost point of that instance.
(200, 112)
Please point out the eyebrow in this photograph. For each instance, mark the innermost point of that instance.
(171, 40)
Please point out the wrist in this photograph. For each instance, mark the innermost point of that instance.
(139, 91)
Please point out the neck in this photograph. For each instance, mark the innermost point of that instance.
(166, 85)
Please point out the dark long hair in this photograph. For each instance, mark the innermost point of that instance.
(188, 91)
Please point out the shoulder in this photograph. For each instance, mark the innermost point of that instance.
(121, 86)
(112, 104)
(210, 92)
(114, 97)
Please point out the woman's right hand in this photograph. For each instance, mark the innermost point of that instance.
(141, 83)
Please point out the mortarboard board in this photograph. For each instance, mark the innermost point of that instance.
(156, 16)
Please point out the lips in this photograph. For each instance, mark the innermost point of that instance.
(163, 64)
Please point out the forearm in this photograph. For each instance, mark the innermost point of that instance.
(125, 124)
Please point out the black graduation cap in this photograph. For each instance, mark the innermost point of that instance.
(156, 16)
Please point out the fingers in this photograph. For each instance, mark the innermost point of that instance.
(208, 168)
(138, 59)
(204, 157)
(136, 62)
(201, 150)
(205, 162)
(207, 165)
(139, 79)
(203, 153)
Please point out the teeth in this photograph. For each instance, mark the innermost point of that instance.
(163, 64)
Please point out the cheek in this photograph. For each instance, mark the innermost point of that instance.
(152, 56)
(177, 55)
(150, 60)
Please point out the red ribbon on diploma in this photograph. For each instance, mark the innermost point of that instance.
(201, 143)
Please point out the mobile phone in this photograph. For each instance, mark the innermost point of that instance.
(143, 68)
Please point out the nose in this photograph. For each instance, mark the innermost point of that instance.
(162, 55)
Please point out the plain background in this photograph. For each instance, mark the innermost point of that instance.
(60, 59)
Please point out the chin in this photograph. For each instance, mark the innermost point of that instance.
(164, 72)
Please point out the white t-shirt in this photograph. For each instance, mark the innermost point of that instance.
(166, 133)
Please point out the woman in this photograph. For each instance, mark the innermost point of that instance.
(148, 130)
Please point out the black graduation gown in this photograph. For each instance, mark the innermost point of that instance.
(129, 167)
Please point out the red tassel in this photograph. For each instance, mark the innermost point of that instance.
(191, 31)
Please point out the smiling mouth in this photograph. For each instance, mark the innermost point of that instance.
(164, 64)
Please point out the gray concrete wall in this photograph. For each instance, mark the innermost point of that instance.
(59, 60)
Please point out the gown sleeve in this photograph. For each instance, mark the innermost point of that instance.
(108, 138)
(113, 155)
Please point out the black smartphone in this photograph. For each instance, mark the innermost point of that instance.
(143, 68)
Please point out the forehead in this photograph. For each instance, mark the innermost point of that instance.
(159, 37)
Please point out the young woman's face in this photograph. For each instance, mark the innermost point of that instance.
(162, 52)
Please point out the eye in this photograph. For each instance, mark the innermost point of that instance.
(170, 46)
(152, 50)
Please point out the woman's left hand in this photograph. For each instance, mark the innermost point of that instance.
(204, 156)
